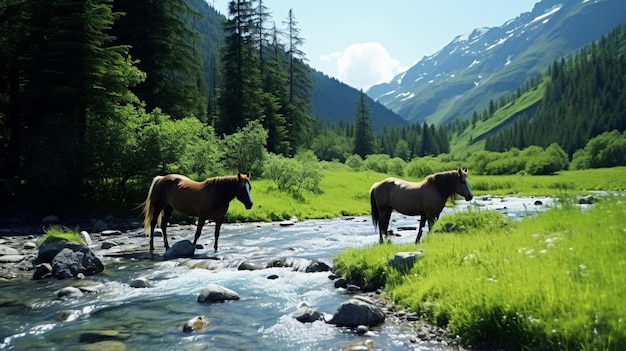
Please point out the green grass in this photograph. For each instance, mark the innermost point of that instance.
(552, 281)
(57, 232)
(346, 192)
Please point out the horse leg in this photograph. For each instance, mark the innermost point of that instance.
(387, 219)
(218, 225)
(167, 213)
(153, 224)
(383, 222)
(419, 233)
(198, 230)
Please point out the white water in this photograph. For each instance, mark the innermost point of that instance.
(152, 318)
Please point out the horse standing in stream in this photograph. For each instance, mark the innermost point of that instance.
(426, 198)
(206, 200)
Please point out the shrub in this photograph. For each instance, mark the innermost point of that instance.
(303, 172)
(355, 162)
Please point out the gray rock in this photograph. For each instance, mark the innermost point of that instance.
(11, 258)
(362, 329)
(69, 292)
(140, 283)
(247, 266)
(42, 271)
(317, 266)
(110, 232)
(100, 226)
(75, 259)
(180, 249)
(361, 345)
(107, 245)
(355, 312)
(6, 250)
(405, 260)
(306, 314)
(49, 249)
(217, 293)
(30, 245)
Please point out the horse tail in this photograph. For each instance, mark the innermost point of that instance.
(148, 208)
(375, 213)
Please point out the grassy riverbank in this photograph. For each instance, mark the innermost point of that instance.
(346, 192)
(553, 281)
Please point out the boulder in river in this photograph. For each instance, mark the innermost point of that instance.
(196, 323)
(216, 293)
(180, 249)
(306, 314)
(75, 259)
(358, 311)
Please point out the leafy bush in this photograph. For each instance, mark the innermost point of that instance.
(245, 150)
(304, 172)
(606, 150)
(355, 162)
(377, 163)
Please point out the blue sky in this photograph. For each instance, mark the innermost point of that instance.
(366, 42)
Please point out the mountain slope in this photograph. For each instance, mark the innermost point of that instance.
(487, 63)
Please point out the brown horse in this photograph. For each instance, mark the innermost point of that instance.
(206, 200)
(426, 198)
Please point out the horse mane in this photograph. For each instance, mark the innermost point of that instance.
(444, 183)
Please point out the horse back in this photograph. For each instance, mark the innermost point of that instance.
(409, 198)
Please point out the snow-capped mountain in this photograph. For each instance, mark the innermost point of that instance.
(487, 63)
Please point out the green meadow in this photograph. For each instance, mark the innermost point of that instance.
(346, 192)
(551, 281)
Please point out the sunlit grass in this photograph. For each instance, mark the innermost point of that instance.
(58, 232)
(552, 281)
(346, 192)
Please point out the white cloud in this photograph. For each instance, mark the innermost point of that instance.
(366, 64)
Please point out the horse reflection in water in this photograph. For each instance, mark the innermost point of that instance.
(206, 200)
(426, 198)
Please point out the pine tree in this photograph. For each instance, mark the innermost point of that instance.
(363, 132)
(240, 98)
(297, 107)
(162, 41)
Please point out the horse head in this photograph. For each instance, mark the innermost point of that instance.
(242, 191)
(463, 186)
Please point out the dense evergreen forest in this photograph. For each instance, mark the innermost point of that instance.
(99, 96)
(585, 96)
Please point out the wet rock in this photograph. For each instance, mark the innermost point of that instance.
(29, 245)
(69, 292)
(306, 314)
(355, 312)
(11, 258)
(403, 261)
(75, 259)
(196, 323)
(272, 277)
(341, 283)
(180, 249)
(364, 345)
(108, 345)
(362, 329)
(247, 266)
(317, 266)
(216, 293)
(42, 271)
(140, 283)
(96, 336)
(49, 249)
(110, 232)
(107, 245)
(8, 251)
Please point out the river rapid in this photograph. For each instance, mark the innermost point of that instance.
(118, 317)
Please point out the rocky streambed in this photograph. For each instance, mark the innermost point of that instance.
(281, 274)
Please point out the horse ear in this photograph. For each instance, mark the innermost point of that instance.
(248, 175)
(238, 176)
(465, 169)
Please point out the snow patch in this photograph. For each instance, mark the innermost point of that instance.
(552, 11)
(408, 97)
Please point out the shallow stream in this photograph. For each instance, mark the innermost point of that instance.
(31, 318)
